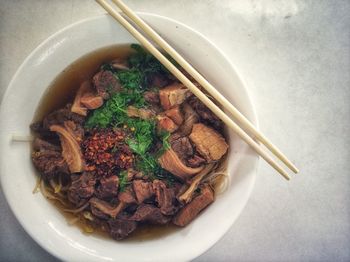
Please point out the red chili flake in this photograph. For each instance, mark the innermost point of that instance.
(105, 151)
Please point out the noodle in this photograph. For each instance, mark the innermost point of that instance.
(77, 210)
(37, 185)
(45, 191)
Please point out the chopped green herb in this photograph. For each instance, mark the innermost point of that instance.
(131, 79)
(123, 180)
(114, 114)
(165, 140)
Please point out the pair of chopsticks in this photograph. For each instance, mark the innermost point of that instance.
(244, 122)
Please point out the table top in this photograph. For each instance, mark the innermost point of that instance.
(295, 57)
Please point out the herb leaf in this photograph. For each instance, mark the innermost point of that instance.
(130, 79)
(123, 180)
(114, 114)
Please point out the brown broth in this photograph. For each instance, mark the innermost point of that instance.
(61, 91)
(63, 88)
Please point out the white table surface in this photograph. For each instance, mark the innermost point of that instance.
(295, 57)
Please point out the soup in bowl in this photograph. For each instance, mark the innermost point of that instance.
(122, 144)
(36, 83)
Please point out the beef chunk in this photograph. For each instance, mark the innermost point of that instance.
(205, 114)
(143, 190)
(191, 117)
(108, 187)
(60, 116)
(82, 188)
(191, 210)
(158, 80)
(91, 101)
(42, 145)
(151, 97)
(77, 106)
(150, 214)
(103, 209)
(166, 123)
(173, 95)
(85, 99)
(175, 114)
(120, 228)
(47, 158)
(196, 161)
(105, 82)
(165, 197)
(127, 196)
(45, 134)
(182, 147)
(209, 143)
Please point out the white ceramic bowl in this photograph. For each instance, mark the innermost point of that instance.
(41, 220)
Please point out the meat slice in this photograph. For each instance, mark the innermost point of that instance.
(140, 112)
(77, 107)
(158, 80)
(172, 163)
(39, 130)
(103, 209)
(82, 188)
(77, 131)
(108, 187)
(127, 196)
(58, 117)
(48, 160)
(71, 151)
(151, 97)
(91, 101)
(209, 143)
(191, 117)
(106, 83)
(205, 114)
(175, 114)
(42, 145)
(165, 123)
(150, 214)
(182, 147)
(121, 228)
(191, 210)
(165, 197)
(143, 190)
(172, 95)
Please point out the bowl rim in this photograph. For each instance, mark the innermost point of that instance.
(254, 120)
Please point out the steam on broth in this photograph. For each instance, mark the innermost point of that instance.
(125, 150)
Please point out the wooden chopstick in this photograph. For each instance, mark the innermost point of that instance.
(201, 96)
(205, 84)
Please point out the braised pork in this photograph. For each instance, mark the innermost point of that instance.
(173, 95)
(209, 143)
